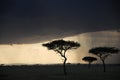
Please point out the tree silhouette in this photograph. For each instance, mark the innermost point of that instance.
(61, 46)
(89, 59)
(103, 53)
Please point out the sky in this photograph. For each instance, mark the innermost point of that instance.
(24, 23)
(35, 53)
(31, 21)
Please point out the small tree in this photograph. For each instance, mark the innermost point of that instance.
(103, 53)
(61, 46)
(89, 59)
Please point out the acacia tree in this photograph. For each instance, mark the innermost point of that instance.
(103, 53)
(61, 46)
(89, 59)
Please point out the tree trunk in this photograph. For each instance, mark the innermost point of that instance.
(64, 66)
(104, 65)
(89, 65)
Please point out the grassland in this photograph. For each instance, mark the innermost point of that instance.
(55, 72)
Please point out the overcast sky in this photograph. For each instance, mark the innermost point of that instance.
(38, 21)
(31, 21)
(37, 54)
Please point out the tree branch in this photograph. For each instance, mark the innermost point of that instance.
(60, 53)
(64, 52)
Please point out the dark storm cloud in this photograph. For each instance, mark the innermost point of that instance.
(26, 21)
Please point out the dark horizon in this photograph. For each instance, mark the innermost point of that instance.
(96, 64)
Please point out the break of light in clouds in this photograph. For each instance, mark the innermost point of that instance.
(37, 54)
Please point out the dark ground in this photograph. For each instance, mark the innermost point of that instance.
(55, 72)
